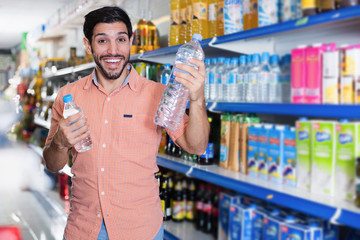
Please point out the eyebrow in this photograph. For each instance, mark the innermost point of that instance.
(119, 33)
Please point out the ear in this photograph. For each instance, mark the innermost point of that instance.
(87, 45)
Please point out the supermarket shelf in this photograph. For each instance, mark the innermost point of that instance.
(70, 70)
(311, 110)
(337, 211)
(42, 123)
(184, 231)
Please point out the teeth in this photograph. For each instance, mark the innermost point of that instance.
(112, 60)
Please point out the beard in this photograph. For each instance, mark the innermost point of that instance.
(114, 74)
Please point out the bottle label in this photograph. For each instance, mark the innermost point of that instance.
(190, 210)
(189, 14)
(212, 12)
(165, 79)
(211, 78)
(178, 210)
(207, 208)
(252, 77)
(218, 78)
(220, 11)
(224, 79)
(232, 78)
(306, 4)
(168, 211)
(265, 77)
(209, 153)
(215, 211)
(199, 206)
(175, 17)
(223, 153)
(240, 78)
(200, 11)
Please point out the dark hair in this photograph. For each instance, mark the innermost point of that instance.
(105, 15)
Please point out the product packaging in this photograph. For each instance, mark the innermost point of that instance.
(268, 12)
(276, 154)
(331, 77)
(298, 74)
(234, 153)
(233, 16)
(226, 201)
(350, 74)
(253, 148)
(303, 153)
(323, 149)
(289, 160)
(225, 140)
(263, 143)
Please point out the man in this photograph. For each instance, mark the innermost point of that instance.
(115, 193)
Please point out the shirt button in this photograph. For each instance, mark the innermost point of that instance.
(108, 99)
(106, 121)
(102, 193)
(99, 215)
(104, 145)
(102, 169)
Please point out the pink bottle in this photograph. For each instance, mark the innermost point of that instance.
(298, 70)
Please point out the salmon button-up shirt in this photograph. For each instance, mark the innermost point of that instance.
(115, 179)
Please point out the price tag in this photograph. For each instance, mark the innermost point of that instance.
(302, 21)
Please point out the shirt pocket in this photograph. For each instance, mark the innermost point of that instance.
(140, 128)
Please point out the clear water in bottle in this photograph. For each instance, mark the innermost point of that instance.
(70, 108)
(274, 84)
(264, 79)
(240, 79)
(173, 103)
(218, 75)
(224, 79)
(232, 75)
(212, 80)
(254, 75)
(207, 62)
(246, 77)
(165, 74)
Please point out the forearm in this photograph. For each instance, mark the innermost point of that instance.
(198, 129)
(55, 157)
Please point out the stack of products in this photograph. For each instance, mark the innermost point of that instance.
(252, 78)
(325, 73)
(218, 17)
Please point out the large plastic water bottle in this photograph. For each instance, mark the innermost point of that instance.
(212, 80)
(165, 74)
(264, 79)
(176, 96)
(224, 79)
(70, 109)
(207, 62)
(241, 79)
(218, 76)
(232, 75)
(246, 77)
(274, 84)
(254, 74)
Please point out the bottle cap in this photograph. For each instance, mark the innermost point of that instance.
(256, 58)
(214, 60)
(274, 58)
(207, 60)
(265, 56)
(242, 59)
(197, 36)
(234, 60)
(67, 98)
(167, 65)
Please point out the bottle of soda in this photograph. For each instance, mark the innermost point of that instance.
(215, 212)
(169, 146)
(165, 200)
(207, 209)
(178, 207)
(208, 157)
(199, 220)
(190, 201)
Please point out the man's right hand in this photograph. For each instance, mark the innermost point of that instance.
(71, 131)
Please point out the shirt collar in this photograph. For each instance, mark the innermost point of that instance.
(128, 80)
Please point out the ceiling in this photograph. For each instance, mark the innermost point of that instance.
(19, 16)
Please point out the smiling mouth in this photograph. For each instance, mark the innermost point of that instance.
(112, 60)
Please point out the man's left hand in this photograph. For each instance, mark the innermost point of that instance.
(194, 81)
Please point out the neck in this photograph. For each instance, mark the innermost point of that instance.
(111, 84)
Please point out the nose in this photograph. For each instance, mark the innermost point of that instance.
(112, 48)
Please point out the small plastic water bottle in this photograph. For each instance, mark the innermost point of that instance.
(218, 76)
(232, 81)
(241, 79)
(246, 77)
(165, 74)
(176, 96)
(264, 79)
(254, 75)
(274, 84)
(212, 80)
(224, 80)
(70, 109)
(207, 62)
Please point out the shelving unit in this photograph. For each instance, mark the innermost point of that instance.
(343, 26)
(337, 211)
(184, 231)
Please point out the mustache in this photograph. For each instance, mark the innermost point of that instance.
(112, 56)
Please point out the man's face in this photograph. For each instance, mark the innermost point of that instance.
(110, 48)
